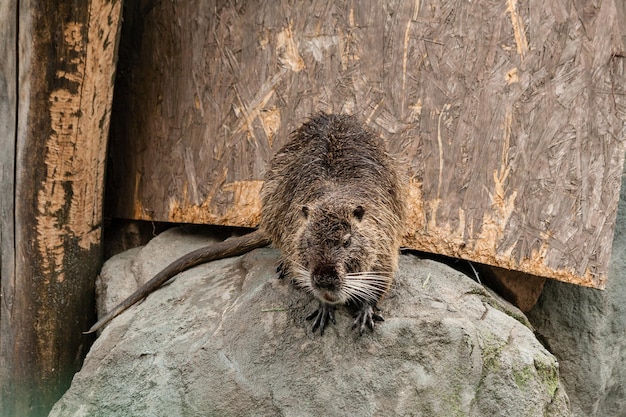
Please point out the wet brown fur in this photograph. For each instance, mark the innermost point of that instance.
(333, 203)
(334, 179)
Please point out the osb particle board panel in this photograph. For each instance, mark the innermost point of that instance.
(509, 115)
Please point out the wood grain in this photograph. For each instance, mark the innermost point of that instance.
(52, 177)
(8, 119)
(509, 115)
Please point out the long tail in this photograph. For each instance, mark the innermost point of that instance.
(230, 247)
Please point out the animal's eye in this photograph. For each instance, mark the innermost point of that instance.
(305, 212)
(346, 240)
(358, 212)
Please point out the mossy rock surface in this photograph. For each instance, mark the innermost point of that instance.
(229, 338)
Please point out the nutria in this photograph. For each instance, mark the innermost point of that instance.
(333, 203)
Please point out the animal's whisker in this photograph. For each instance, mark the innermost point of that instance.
(301, 277)
(365, 287)
(380, 274)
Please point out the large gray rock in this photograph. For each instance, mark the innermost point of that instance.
(230, 339)
(586, 330)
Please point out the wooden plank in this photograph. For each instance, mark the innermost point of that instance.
(51, 235)
(509, 115)
(8, 118)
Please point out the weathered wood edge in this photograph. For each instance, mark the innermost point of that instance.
(245, 212)
(8, 119)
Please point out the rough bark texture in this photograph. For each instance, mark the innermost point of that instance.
(52, 188)
(510, 115)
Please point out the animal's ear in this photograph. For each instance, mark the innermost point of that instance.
(358, 212)
(305, 212)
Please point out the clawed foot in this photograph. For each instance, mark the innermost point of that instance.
(365, 317)
(322, 316)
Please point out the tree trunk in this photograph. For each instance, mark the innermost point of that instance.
(54, 118)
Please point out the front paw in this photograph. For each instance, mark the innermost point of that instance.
(322, 316)
(365, 317)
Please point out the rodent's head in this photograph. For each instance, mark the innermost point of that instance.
(334, 257)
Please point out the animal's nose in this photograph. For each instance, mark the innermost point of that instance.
(325, 282)
(325, 278)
